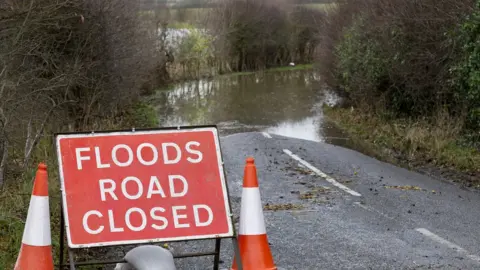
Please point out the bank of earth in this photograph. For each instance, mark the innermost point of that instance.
(414, 145)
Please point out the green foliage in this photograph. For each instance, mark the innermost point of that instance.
(142, 115)
(366, 57)
(195, 46)
(303, 33)
(382, 60)
(193, 55)
(13, 214)
(407, 141)
(13, 210)
(361, 63)
(255, 35)
(14, 202)
(244, 36)
(254, 42)
(466, 72)
(15, 195)
(410, 61)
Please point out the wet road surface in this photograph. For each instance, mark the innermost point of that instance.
(327, 207)
(349, 211)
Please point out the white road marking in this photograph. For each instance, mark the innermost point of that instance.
(266, 135)
(447, 243)
(372, 210)
(321, 174)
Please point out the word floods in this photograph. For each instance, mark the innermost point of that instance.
(143, 186)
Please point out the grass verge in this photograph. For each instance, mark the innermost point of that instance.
(276, 69)
(15, 195)
(14, 202)
(297, 67)
(418, 145)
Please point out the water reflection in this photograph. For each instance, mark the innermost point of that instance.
(305, 129)
(286, 103)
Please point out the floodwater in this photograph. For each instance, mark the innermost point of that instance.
(287, 103)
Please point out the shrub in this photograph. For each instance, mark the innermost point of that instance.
(255, 35)
(304, 33)
(394, 55)
(192, 52)
(466, 71)
(362, 64)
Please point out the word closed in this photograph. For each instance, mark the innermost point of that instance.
(143, 186)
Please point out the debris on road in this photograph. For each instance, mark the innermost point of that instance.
(314, 195)
(406, 187)
(277, 207)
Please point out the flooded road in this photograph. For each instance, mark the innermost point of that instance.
(287, 103)
(329, 207)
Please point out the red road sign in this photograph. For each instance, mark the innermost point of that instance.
(143, 186)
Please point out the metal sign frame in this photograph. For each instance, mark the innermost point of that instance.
(216, 253)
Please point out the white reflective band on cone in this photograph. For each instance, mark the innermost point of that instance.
(251, 216)
(37, 226)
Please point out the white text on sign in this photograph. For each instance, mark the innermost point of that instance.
(123, 187)
(137, 154)
(108, 186)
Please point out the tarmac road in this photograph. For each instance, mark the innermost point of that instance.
(355, 218)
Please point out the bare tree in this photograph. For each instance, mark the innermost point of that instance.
(261, 34)
(68, 63)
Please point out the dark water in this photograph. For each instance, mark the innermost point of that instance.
(287, 103)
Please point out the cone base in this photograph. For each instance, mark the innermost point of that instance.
(34, 257)
(255, 253)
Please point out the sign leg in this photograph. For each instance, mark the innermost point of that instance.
(62, 236)
(72, 261)
(236, 250)
(216, 259)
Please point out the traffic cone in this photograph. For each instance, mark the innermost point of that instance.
(36, 250)
(252, 237)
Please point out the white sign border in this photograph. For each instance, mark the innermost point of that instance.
(214, 130)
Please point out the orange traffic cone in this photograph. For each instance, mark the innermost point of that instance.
(36, 250)
(252, 236)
